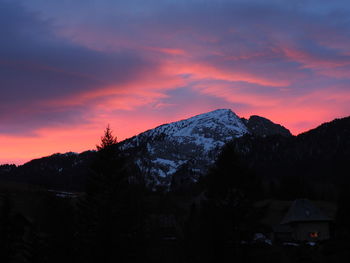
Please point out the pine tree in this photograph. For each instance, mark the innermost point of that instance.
(108, 140)
(108, 213)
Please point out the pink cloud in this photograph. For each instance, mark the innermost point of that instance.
(312, 61)
(205, 71)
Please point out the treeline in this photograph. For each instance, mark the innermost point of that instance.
(312, 165)
(59, 171)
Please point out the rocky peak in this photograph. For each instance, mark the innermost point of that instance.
(260, 126)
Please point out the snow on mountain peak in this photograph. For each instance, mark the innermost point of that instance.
(197, 139)
(192, 143)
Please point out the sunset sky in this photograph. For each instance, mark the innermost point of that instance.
(70, 67)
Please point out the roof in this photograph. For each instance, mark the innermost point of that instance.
(302, 210)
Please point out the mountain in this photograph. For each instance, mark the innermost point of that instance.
(260, 126)
(313, 164)
(186, 148)
(193, 142)
(66, 171)
(6, 168)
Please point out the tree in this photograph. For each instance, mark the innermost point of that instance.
(226, 215)
(108, 213)
(107, 140)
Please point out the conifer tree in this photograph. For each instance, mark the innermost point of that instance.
(108, 212)
(107, 140)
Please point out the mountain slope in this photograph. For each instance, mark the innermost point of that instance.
(260, 126)
(312, 163)
(161, 152)
(66, 171)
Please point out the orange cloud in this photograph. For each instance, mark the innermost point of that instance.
(236, 95)
(204, 71)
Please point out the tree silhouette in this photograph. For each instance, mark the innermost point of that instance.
(226, 215)
(107, 140)
(108, 213)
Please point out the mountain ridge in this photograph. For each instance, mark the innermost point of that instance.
(197, 139)
(160, 155)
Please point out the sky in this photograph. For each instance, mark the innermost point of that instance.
(70, 67)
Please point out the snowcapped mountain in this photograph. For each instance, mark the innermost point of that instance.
(207, 130)
(195, 142)
(171, 155)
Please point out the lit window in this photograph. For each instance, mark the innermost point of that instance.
(314, 234)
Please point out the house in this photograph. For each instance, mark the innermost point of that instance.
(303, 222)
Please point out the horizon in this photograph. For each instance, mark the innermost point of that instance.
(68, 68)
(18, 162)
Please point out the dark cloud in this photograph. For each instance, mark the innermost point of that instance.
(257, 34)
(36, 65)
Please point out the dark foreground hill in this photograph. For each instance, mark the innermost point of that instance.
(313, 162)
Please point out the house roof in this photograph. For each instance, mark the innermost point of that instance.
(302, 210)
